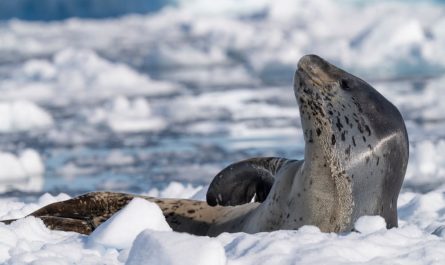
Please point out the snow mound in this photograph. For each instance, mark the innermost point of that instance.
(23, 172)
(23, 115)
(122, 228)
(370, 224)
(125, 115)
(172, 248)
(28, 241)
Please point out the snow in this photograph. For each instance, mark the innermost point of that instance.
(28, 240)
(370, 224)
(174, 249)
(118, 232)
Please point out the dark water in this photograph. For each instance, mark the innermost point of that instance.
(47, 10)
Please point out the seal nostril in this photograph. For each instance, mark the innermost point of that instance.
(344, 84)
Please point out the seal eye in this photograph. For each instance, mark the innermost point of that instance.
(344, 84)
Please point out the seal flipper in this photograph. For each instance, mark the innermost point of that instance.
(62, 223)
(81, 214)
(240, 182)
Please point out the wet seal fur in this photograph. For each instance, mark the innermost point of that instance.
(356, 155)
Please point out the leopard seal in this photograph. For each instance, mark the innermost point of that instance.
(355, 158)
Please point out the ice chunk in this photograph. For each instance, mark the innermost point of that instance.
(125, 115)
(175, 190)
(23, 172)
(79, 75)
(23, 115)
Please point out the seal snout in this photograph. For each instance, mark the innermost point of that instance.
(310, 63)
(307, 60)
(310, 69)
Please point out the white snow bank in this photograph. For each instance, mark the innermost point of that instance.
(309, 246)
(23, 115)
(125, 115)
(152, 247)
(80, 75)
(122, 228)
(29, 241)
(22, 172)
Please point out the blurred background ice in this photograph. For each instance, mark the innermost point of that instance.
(156, 96)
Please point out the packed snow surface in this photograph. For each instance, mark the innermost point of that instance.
(116, 241)
(157, 104)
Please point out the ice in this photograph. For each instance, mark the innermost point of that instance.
(124, 115)
(217, 76)
(22, 115)
(79, 75)
(175, 190)
(22, 172)
(173, 248)
(122, 228)
(223, 36)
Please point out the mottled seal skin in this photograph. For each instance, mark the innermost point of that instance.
(356, 155)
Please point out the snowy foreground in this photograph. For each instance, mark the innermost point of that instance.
(139, 234)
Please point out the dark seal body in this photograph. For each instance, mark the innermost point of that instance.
(356, 154)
